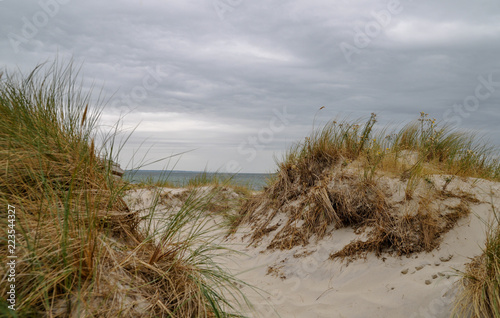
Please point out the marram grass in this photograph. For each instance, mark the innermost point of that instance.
(438, 148)
(480, 282)
(80, 250)
(334, 177)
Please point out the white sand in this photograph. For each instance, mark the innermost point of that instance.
(303, 282)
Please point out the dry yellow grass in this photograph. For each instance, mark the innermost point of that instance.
(340, 176)
(79, 249)
(334, 179)
(480, 282)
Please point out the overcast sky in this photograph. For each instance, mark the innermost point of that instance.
(235, 82)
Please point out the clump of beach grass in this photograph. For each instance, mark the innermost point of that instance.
(479, 294)
(150, 182)
(81, 252)
(335, 178)
(217, 180)
(226, 195)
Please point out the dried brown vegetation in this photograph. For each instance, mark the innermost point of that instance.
(480, 282)
(346, 176)
(80, 251)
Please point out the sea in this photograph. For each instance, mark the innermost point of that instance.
(254, 181)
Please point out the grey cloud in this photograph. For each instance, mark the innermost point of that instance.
(234, 69)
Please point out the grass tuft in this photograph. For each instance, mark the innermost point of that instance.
(480, 282)
(81, 252)
(344, 175)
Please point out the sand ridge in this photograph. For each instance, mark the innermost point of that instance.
(304, 282)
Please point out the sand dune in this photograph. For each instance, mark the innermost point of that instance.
(305, 282)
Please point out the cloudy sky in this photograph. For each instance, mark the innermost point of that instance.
(232, 83)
